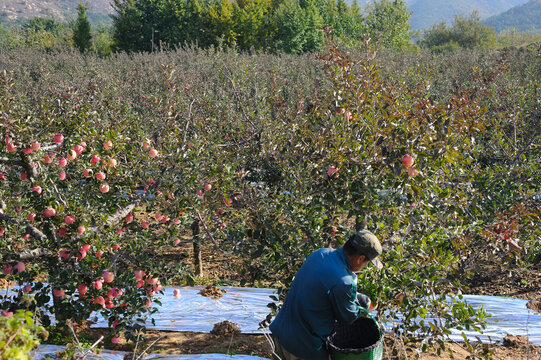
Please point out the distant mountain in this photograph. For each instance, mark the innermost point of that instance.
(526, 17)
(425, 13)
(14, 11)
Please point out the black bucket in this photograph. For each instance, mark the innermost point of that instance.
(361, 340)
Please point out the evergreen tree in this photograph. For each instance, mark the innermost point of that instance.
(81, 31)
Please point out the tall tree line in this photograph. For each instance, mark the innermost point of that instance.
(292, 26)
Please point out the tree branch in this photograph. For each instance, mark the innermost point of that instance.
(210, 235)
(35, 253)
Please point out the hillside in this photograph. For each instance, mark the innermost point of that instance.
(425, 13)
(526, 17)
(13, 11)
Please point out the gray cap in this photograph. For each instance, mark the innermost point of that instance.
(367, 244)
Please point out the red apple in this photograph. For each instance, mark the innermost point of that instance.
(412, 172)
(62, 175)
(129, 218)
(107, 145)
(153, 153)
(95, 159)
(408, 160)
(78, 149)
(64, 254)
(139, 274)
(36, 146)
(97, 284)
(59, 292)
(108, 276)
(82, 288)
(20, 267)
(82, 254)
(332, 170)
(80, 230)
(58, 138)
(11, 147)
(71, 155)
(6, 313)
(49, 212)
(70, 219)
(100, 176)
(100, 300)
(104, 188)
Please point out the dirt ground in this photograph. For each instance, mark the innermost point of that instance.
(257, 345)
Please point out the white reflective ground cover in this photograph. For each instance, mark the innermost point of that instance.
(48, 351)
(509, 316)
(248, 306)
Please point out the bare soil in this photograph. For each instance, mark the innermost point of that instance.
(212, 291)
(534, 305)
(225, 328)
(495, 280)
(515, 347)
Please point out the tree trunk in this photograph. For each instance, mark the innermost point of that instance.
(197, 262)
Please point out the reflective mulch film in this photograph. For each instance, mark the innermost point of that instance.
(246, 307)
(509, 316)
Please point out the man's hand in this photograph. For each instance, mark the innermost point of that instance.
(365, 302)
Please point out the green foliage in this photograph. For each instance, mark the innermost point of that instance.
(514, 37)
(19, 334)
(82, 38)
(103, 41)
(388, 22)
(465, 32)
(291, 26)
(44, 24)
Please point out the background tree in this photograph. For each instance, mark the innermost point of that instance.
(388, 22)
(82, 38)
(466, 32)
(45, 24)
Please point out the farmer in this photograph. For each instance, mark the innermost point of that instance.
(323, 291)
